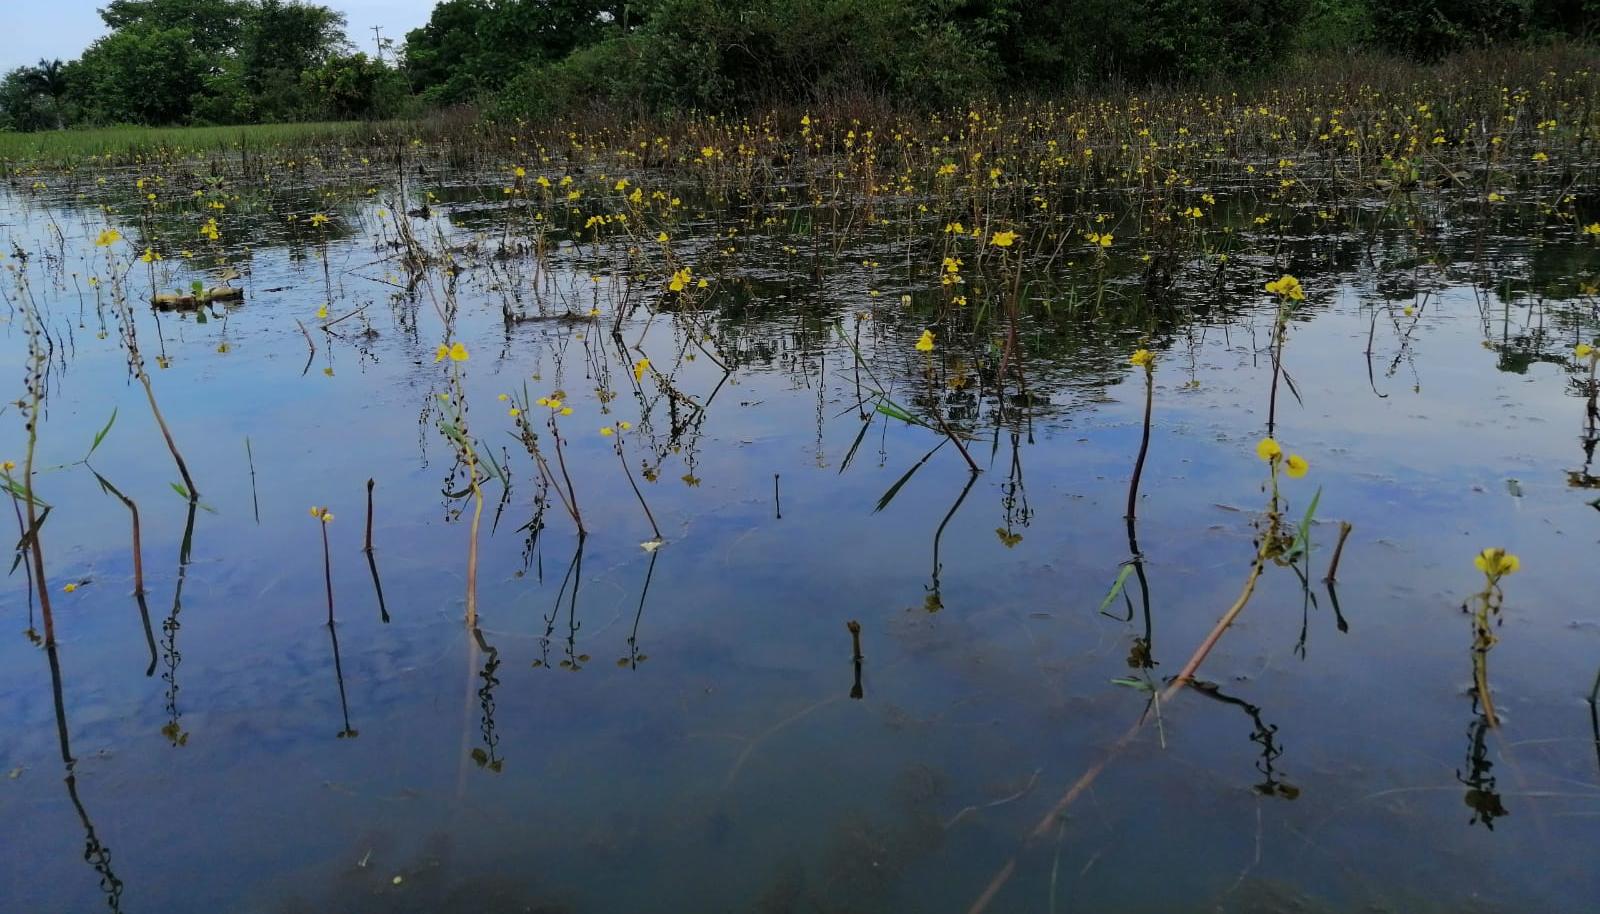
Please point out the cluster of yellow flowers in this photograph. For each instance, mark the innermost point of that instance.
(455, 352)
(1496, 563)
(553, 403)
(322, 514)
(1269, 450)
(1287, 288)
(925, 341)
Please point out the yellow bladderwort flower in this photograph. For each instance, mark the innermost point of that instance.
(8, 466)
(70, 588)
(513, 412)
(662, 237)
(503, 397)
(440, 354)
(1142, 358)
(319, 219)
(1592, 228)
(1003, 239)
(925, 341)
(554, 404)
(680, 280)
(1287, 287)
(1268, 449)
(458, 352)
(1296, 466)
(608, 431)
(566, 410)
(1585, 351)
(322, 313)
(624, 425)
(1497, 563)
(639, 368)
(322, 514)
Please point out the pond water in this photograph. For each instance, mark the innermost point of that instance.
(684, 727)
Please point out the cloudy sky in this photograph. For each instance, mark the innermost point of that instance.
(63, 28)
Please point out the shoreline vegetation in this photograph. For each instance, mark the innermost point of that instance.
(290, 64)
(1451, 82)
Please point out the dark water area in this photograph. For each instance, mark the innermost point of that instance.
(683, 726)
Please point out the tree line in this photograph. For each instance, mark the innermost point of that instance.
(247, 61)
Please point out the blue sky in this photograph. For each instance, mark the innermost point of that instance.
(63, 28)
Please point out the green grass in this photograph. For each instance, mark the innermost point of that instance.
(66, 145)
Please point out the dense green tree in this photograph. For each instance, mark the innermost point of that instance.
(469, 47)
(141, 75)
(355, 86)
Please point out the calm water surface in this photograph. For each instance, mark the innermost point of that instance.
(676, 730)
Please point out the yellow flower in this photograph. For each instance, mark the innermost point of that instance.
(458, 352)
(1496, 562)
(925, 341)
(1584, 351)
(322, 313)
(440, 353)
(1287, 287)
(1003, 239)
(624, 425)
(553, 403)
(608, 431)
(662, 237)
(8, 466)
(503, 398)
(566, 410)
(319, 219)
(1268, 449)
(513, 412)
(1592, 228)
(1142, 357)
(1296, 466)
(639, 369)
(680, 280)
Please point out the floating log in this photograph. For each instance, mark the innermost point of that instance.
(191, 301)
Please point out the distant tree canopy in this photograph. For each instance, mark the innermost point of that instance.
(230, 61)
(220, 61)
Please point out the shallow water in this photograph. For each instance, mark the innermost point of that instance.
(676, 729)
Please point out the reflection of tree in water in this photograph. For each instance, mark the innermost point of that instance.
(574, 579)
(97, 855)
(1264, 735)
(1481, 796)
(170, 656)
(487, 756)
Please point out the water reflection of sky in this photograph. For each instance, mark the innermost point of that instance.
(730, 769)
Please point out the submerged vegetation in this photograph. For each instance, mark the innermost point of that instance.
(1166, 304)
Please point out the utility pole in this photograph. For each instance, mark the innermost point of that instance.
(377, 38)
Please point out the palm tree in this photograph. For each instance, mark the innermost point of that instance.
(49, 79)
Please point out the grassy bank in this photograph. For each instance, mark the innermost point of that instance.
(57, 146)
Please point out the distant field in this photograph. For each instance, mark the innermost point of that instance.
(56, 145)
